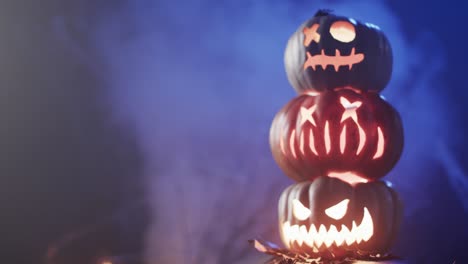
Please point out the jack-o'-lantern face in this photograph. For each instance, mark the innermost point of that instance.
(351, 135)
(330, 51)
(331, 215)
(316, 235)
(341, 31)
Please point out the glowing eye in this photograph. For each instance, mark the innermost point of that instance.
(300, 211)
(343, 31)
(338, 210)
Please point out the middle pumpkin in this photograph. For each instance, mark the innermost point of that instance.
(352, 135)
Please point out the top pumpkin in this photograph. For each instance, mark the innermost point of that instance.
(330, 51)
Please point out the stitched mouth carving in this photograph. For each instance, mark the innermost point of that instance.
(336, 60)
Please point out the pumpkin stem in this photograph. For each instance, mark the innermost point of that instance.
(323, 12)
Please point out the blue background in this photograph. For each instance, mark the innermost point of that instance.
(139, 129)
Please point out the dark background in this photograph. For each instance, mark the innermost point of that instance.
(89, 120)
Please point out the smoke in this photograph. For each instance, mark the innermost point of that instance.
(201, 81)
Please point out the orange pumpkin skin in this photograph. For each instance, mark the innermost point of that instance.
(341, 131)
(377, 199)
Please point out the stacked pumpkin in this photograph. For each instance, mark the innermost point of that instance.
(337, 138)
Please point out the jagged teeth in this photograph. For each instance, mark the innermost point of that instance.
(322, 233)
(355, 232)
(333, 233)
(302, 230)
(331, 236)
(314, 238)
(367, 230)
(349, 239)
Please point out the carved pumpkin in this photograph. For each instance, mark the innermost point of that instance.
(330, 51)
(355, 136)
(328, 214)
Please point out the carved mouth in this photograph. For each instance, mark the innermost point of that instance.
(336, 60)
(314, 238)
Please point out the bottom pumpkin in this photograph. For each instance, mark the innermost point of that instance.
(330, 215)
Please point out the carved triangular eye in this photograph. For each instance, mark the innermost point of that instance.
(300, 211)
(338, 210)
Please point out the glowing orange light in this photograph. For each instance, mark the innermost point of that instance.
(338, 210)
(311, 93)
(291, 143)
(349, 177)
(300, 211)
(336, 60)
(350, 112)
(327, 138)
(306, 114)
(315, 237)
(343, 31)
(312, 142)
(350, 109)
(380, 144)
(343, 139)
(348, 88)
(310, 34)
(362, 139)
